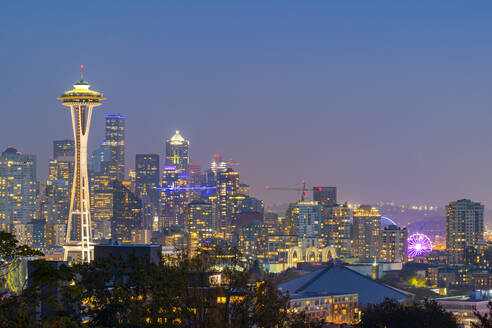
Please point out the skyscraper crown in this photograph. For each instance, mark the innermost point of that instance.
(177, 139)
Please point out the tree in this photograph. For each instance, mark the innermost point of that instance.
(484, 320)
(392, 314)
(11, 252)
(132, 292)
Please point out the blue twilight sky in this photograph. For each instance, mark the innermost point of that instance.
(387, 100)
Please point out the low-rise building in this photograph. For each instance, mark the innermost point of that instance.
(338, 279)
(463, 307)
(331, 308)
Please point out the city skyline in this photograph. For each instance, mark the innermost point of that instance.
(253, 164)
(382, 119)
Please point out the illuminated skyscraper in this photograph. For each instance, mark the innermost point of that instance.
(108, 164)
(17, 188)
(326, 196)
(366, 233)
(177, 152)
(115, 141)
(56, 200)
(81, 101)
(199, 218)
(464, 227)
(174, 196)
(227, 189)
(146, 182)
(198, 223)
(146, 176)
(253, 240)
(127, 213)
(304, 220)
(337, 228)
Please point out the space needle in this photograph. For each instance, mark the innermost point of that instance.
(81, 100)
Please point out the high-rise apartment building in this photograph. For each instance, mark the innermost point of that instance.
(337, 228)
(227, 189)
(115, 140)
(366, 232)
(198, 223)
(18, 188)
(253, 240)
(177, 152)
(464, 227)
(199, 218)
(394, 245)
(127, 213)
(326, 196)
(304, 220)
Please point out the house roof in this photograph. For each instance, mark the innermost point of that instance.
(342, 280)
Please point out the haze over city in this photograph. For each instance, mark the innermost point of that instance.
(386, 100)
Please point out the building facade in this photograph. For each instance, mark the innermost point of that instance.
(366, 232)
(115, 140)
(18, 188)
(394, 245)
(464, 227)
(147, 176)
(126, 219)
(326, 196)
(337, 228)
(304, 220)
(177, 152)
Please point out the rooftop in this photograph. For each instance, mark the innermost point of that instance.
(342, 280)
(177, 139)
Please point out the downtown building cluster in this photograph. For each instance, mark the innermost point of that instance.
(172, 201)
(169, 201)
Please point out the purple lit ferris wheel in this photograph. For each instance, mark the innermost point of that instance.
(418, 245)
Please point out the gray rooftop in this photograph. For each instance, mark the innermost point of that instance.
(342, 280)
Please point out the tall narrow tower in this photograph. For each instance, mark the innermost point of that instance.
(81, 101)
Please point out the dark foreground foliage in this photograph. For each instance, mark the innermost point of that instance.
(391, 314)
(132, 292)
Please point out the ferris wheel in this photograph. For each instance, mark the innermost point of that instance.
(418, 245)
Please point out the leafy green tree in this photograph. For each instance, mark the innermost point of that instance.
(392, 314)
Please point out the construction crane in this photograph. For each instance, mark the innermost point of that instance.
(303, 189)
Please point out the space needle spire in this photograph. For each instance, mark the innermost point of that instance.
(81, 100)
